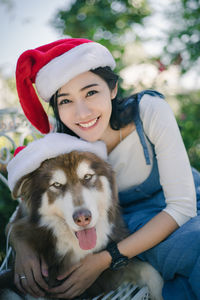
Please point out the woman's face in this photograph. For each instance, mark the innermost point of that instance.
(84, 105)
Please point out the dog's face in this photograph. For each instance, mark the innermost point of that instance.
(75, 196)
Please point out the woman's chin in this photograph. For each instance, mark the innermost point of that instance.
(90, 136)
(90, 139)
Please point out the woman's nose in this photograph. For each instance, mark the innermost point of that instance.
(82, 110)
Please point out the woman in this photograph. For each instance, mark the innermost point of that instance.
(156, 187)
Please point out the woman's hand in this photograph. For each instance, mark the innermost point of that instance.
(81, 276)
(28, 266)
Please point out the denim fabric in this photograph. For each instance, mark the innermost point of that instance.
(178, 257)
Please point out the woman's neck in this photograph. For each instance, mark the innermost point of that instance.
(113, 137)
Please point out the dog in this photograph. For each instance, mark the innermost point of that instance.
(71, 207)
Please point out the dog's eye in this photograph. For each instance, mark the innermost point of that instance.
(56, 185)
(88, 177)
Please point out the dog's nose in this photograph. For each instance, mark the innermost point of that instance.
(82, 217)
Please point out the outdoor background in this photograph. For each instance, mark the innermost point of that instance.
(156, 45)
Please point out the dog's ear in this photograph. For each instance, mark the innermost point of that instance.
(21, 188)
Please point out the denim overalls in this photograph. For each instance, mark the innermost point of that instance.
(178, 257)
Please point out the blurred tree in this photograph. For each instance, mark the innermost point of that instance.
(110, 22)
(189, 122)
(8, 3)
(183, 36)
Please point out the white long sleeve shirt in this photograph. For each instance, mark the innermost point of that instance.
(128, 161)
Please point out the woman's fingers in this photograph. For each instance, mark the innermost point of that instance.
(31, 287)
(82, 276)
(23, 284)
(68, 272)
(62, 288)
(35, 282)
(44, 267)
(28, 277)
(18, 283)
(37, 275)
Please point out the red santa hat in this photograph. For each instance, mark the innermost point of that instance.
(50, 67)
(28, 159)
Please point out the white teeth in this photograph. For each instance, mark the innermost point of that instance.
(86, 125)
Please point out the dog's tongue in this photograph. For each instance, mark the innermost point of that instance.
(87, 238)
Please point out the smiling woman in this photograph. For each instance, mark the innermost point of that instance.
(85, 107)
(105, 79)
(158, 189)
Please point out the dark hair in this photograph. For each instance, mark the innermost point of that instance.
(123, 110)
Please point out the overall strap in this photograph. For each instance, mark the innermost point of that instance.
(138, 122)
(149, 92)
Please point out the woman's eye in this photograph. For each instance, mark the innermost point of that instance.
(64, 101)
(91, 93)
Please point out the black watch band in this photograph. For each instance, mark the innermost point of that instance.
(118, 259)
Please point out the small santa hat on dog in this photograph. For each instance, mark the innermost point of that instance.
(28, 158)
(50, 67)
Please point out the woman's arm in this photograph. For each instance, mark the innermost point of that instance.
(151, 234)
(175, 172)
(27, 261)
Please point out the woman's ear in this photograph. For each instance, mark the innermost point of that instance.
(114, 91)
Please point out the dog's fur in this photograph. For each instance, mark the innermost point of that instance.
(64, 196)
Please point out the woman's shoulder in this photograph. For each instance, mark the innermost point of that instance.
(152, 100)
(155, 111)
(135, 99)
(140, 103)
(151, 93)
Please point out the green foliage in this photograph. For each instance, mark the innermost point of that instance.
(106, 21)
(189, 122)
(7, 206)
(183, 36)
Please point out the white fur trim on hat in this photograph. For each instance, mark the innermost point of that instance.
(52, 145)
(63, 68)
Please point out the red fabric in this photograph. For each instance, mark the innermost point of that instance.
(18, 149)
(29, 63)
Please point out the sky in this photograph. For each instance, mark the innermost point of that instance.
(25, 25)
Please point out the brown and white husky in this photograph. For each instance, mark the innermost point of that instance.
(72, 207)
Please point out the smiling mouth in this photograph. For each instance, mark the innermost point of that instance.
(89, 124)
